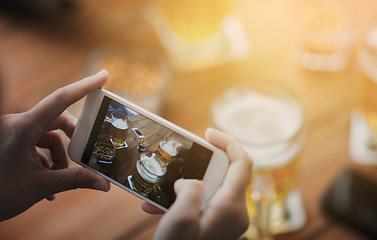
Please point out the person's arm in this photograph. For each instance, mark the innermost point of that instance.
(27, 173)
(226, 215)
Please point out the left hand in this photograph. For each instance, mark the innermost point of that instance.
(28, 174)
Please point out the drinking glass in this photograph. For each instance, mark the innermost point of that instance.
(198, 33)
(269, 124)
(118, 129)
(326, 34)
(147, 174)
(363, 127)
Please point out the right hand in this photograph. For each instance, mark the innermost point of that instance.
(225, 216)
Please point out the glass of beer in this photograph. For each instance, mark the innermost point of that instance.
(363, 127)
(269, 124)
(195, 33)
(326, 34)
(147, 174)
(142, 143)
(118, 129)
(167, 151)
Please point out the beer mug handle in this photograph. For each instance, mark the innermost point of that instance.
(263, 195)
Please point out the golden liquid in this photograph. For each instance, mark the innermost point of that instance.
(366, 99)
(194, 20)
(285, 179)
(118, 136)
(141, 186)
(143, 183)
(163, 157)
(324, 23)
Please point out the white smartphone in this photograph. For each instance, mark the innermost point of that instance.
(142, 152)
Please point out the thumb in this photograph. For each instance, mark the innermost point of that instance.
(182, 219)
(72, 178)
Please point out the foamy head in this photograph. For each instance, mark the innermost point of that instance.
(152, 167)
(169, 147)
(119, 123)
(263, 124)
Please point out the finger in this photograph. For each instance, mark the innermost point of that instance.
(189, 193)
(53, 105)
(45, 163)
(51, 198)
(44, 159)
(226, 142)
(239, 172)
(65, 122)
(149, 208)
(237, 178)
(53, 142)
(183, 218)
(73, 178)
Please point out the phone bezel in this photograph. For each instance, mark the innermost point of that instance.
(214, 174)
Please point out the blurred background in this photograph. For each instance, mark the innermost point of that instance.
(175, 58)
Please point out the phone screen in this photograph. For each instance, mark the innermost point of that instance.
(141, 154)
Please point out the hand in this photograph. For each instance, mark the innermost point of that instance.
(27, 173)
(225, 216)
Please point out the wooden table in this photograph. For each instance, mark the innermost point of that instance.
(38, 57)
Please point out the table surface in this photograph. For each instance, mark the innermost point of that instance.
(37, 57)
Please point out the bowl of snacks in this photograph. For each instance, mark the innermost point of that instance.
(138, 75)
(104, 152)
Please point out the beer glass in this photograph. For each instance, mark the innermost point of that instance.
(326, 33)
(118, 129)
(147, 174)
(142, 143)
(363, 128)
(269, 124)
(167, 151)
(198, 33)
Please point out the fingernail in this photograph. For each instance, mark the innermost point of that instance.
(102, 72)
(100, 185)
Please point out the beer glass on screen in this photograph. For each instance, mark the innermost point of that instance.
(363, 128)
(147, 174)
(167, 151)
(269, 123)
(118, 129)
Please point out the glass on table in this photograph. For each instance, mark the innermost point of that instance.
(147, 174)
(269, 123)
(363, 127)
(326, 33)
(198, 34)
(118, 129)
(136, 74)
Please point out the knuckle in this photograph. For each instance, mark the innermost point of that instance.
(78, 178)
(186, 224)
(15, 124)
(248, 162)
(59, 97)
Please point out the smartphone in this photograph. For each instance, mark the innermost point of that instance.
(352, 200)
(142, 152)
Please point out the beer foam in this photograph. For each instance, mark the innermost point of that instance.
(119, 123)
(152, 166)
(263, 124)
(169, 148)
(258, 118)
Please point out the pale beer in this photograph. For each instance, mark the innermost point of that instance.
(166, 152)
(118, 129)
(147, 174)
(269, 125)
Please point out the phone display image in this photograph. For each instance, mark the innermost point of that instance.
(141, 154)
